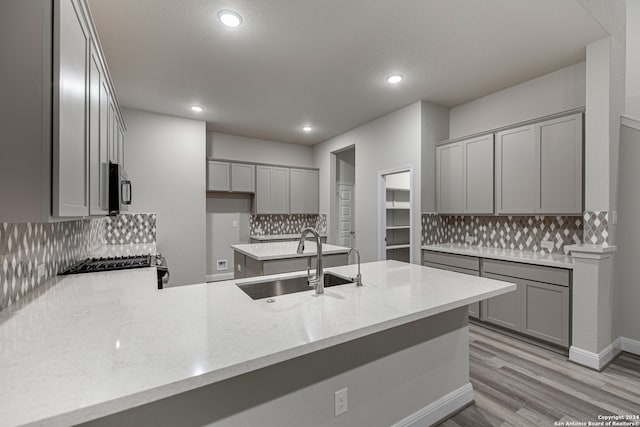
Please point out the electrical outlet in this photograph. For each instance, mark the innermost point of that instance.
(222, 264)
(239, 268)
(41, 271)
(614, 217)
(234, 223)
(469, 239)
(547, 244)
(341, 401)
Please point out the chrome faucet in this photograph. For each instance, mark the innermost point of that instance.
(358, 278)
(318, 281)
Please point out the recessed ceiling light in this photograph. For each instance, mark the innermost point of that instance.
(307, 128)
(395, 78)
(197, 108)
(229, 18)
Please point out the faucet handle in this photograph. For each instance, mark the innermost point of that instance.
(358, 279)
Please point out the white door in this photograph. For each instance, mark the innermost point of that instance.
(346, 232)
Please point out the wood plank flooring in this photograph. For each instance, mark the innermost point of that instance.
(520, 384)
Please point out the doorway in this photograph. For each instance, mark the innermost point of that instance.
(345, 180)
(395, 215)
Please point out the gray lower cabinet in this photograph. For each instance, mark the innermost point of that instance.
(459, 264)
(540, 307)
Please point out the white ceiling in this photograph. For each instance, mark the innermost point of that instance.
(324, 62)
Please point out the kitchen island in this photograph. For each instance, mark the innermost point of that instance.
(259, 259)
(111, 348)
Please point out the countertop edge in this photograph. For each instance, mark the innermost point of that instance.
(546, 263)
(288, 255)
(114, 406)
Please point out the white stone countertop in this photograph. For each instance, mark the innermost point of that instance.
(125, 250)
(267, 237)
(282, 250)
(527, 257)
(89, 345)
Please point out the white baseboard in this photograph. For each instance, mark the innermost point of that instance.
(629, 345)
(218, 277)
(438, 410)
(592, 360)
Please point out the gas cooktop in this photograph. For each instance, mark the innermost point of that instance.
(92, 265)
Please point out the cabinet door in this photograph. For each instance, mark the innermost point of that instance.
(263, 189)
(120, 144)
(112, 133)
(449, 178)
(280, 193)
(503, 310)
(560, 153)
(516, 171)
(97, 143)
(545, 311)
(478, 175)
(304, 191)
(70, 139)
(243, 177)
(218, 176)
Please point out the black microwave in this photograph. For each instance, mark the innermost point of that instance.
(119, 190)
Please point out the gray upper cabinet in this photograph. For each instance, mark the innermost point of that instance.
(60, 110)
(560, 153)
(218, 177)
(478, 175)
(464, 176)
(243, 177)
(98, 150)
(272, 190)
(70, 142)
(517, 171)
(449, 178)
(225, 176)
(304, 191)
(539, 168)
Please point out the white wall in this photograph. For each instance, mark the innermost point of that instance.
(222, 211)
(231, 147)
(392, 141)
(165, 160)
(551, 93)
(435, 128)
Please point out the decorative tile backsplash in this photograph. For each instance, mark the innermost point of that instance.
(507, 232)
(262, 225)
(55, 245)
(127, 229)
(596, 227)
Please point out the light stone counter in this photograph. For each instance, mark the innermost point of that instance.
(284, 250)
(268, 237)
(89, 345)
(527, 257)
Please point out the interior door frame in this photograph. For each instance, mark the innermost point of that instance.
(382, 210)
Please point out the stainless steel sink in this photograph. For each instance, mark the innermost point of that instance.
(274, 288)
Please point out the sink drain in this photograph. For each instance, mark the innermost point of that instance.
(271, 300)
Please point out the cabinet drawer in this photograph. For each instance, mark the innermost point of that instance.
(450, 268)
(452, 260)
(556, 276)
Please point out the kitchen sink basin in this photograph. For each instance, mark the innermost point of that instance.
(274, 288)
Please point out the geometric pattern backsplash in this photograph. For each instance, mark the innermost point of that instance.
(125, 229)
(596, 228)
(266, 225)
(505, 232)
(55, 246)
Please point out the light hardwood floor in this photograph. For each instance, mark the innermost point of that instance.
(519, 384)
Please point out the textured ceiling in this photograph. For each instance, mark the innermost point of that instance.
(324, 62)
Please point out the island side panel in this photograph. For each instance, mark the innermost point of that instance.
(390, 375)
